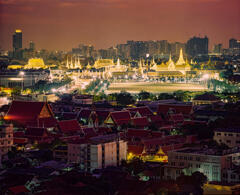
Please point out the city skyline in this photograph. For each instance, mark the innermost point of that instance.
(104, 23)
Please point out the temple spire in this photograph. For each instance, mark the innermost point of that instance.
(181, 59)
(67, 65)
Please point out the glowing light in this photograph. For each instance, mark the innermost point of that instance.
(54, 90)
(18, 31)
(205, 76)
(21, 73)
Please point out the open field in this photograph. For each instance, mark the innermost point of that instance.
(154, 87)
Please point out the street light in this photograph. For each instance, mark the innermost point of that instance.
(22, 75)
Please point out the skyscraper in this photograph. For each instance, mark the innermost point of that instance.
(17, 44)
(197, 46)
(32, 46)
(233, 43)
(17, 40)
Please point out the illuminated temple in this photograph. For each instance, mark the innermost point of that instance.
(106, 68)
(170, 68)
(33, 63)
(73, 63)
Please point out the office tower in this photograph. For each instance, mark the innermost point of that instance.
(17, 40)
(233, 43)
(197, 46)
(32, 46)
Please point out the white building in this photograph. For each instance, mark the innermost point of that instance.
(210, 162)
(230, 137)
(97, 152)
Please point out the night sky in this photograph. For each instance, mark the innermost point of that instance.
(63, 24)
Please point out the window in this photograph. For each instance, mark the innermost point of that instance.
(233, 176)
(173, 163)
(198, 166)
(228, 141)
(225, 175)
(230, 134)
(237, 142)
(218, 134)
(197, 158)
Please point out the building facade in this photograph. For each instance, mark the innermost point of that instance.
(207, 161)
(197, 46)
(230, 137)
(98, 152)
(6, 138)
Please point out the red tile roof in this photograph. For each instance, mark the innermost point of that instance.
(143, 111)
(140, 122)
(25, 112)
(36, 132)
(135, 149)
(18, 140)
(176, 118)
(156, 119)
(84, 113)
(89, 132)
(138, 133)
(18, 189)
(177, 108)
(103, 130)
(156, 134)
(18, 134)
(121, 117)
(69, 126)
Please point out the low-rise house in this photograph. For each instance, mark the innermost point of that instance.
(165, 109)
(69, 127)
(140, 122)
(142, 111)
(228, 136)
(205, 98)
(37, 135)
(82, 99)
(118, 119)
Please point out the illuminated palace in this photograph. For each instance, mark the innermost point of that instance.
(170, 68)
(106, 68)
(33, 63)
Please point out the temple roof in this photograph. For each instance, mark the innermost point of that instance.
(22, 109)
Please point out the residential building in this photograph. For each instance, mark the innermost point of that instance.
(97, 152)
(228, 136)
(197, 46)
(208, 161)
(6, 139)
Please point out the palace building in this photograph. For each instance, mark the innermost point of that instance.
(170, 68)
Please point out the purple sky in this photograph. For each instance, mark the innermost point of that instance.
(63, 24)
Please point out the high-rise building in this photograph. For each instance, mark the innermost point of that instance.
(197, 46)
(17, 44)
(217, 48)
(32, 46)
(234, 43)
(17, 40)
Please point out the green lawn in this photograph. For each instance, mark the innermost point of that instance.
(154, 87)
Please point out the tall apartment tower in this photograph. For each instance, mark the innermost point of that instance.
(17, 40)
(197, 46)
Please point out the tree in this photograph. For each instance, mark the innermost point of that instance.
(144, 95)
(125, 98)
